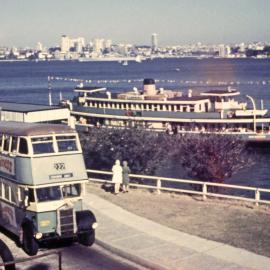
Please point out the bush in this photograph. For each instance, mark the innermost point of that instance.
(145, 151)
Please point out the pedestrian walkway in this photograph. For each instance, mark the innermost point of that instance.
(159, 247)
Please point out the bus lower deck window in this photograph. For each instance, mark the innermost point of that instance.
(71, 190)
(23, 147)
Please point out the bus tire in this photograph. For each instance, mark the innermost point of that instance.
(29, 244)
(87, 238)
(6, 256)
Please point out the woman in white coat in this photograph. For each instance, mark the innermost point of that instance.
(117, 178)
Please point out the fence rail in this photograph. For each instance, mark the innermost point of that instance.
(205, 189)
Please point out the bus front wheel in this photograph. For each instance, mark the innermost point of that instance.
(87, 238)
(29, 244)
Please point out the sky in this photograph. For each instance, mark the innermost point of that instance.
(25, 22)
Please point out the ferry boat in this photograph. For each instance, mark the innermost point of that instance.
(212, 111)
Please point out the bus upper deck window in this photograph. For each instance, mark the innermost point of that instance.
(42, 145)
(23, 147)
(66, 143)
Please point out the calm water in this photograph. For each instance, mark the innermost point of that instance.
(27, 82)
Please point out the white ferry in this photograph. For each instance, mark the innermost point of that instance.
(213, 111)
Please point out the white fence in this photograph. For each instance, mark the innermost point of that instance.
(205, 189)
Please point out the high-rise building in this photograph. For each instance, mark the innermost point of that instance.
(107, 44)
(98, 45)
(154, 42)
(65, 44)
(224, 51)
(39, 47)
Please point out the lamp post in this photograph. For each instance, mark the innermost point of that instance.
(254, 112)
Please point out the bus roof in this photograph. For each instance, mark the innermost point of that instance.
(32, 129)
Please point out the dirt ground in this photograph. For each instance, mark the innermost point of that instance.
(238, 224)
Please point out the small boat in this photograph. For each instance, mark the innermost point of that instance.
(125, 63)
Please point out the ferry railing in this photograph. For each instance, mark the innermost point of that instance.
(204, 189)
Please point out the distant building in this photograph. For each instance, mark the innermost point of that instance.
(154, 42)
(98, 45)
(224, 51)
(242, 47)
(108, 44)
(33, 113)
(65, 44)
(39, 47)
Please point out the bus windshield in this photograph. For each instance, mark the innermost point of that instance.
(55, 193)
(48, 194)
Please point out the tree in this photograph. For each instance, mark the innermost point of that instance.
(145, 151)
(213, 158)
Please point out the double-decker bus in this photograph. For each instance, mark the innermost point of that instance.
(42, 183)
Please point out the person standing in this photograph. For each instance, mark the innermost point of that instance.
(117, 177)
(126, 172)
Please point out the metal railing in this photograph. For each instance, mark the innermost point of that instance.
(205, 189)
(23, 260)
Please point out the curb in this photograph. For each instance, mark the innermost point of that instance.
(131, 257)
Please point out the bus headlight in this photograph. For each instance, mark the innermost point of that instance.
(38, 235)
(94, 225)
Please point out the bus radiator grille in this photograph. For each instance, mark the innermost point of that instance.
(66, 222)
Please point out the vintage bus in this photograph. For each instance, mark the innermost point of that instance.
(42, 183)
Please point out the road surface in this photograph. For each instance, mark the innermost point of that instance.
(74, 257)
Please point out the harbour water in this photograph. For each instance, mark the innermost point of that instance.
(27, 82)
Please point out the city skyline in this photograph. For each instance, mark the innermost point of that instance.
(24, 23)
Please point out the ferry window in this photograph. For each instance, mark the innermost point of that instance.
(42, 145)
(66, 143)
(48, 194)
(23, 148)
(6, 143)
(71, 190)
(14, 144)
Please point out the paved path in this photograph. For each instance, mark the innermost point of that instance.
(159, 247)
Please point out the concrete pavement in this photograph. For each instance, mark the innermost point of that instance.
(159, 247)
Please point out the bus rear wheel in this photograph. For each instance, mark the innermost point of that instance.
(87, 238)
(29, 244)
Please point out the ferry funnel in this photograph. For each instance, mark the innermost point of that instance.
(149, 87)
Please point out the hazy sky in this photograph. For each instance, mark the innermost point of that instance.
(24, 22)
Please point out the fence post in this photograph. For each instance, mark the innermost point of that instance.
(204, 190)
(158, 186)
(60, 260)
(257, 197)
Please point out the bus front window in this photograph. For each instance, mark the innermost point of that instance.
(48, 194)
(42, 145)
(66, 143)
